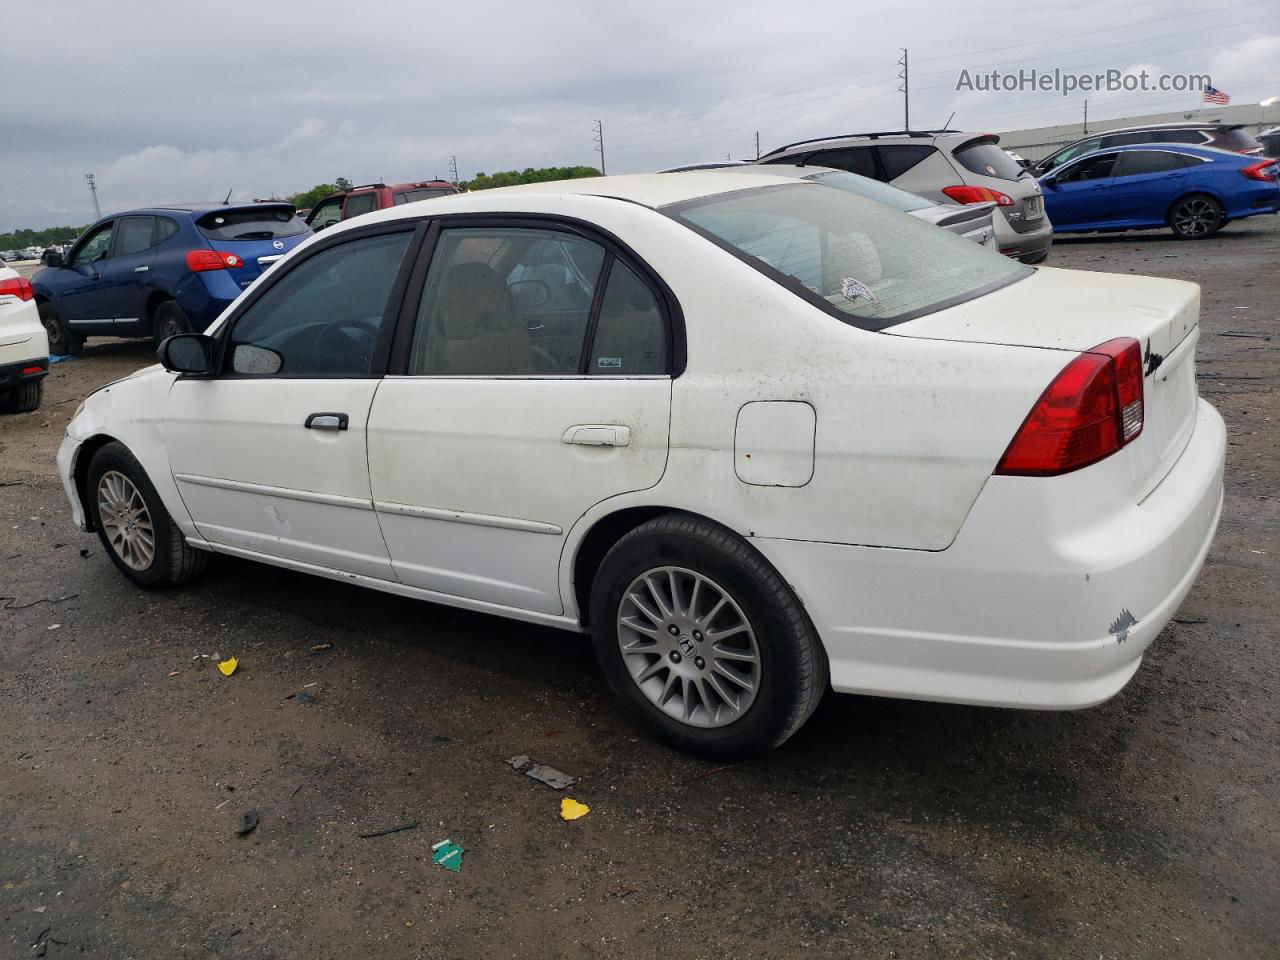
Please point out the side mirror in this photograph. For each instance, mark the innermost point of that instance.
(51, 258)
(187, 353)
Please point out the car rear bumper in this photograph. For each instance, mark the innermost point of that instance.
(1030, 247)
(1035, 605)
(12, 374)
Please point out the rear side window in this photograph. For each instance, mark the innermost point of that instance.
(323, 317)
(165, 228)
(898, 158)
(855, 258)
(631, 333)
(358, 203)
(1124, 139)
(250, 223)
(133, 235)
(1134, 162)
(988, 160)
(1180, 136)
(859, 160)
(424, 193)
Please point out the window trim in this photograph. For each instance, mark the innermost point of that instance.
(614, 248)
(415, 227)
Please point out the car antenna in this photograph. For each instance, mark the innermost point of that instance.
(227, 199)
(947, 125)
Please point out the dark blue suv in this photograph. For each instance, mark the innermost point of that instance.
(160, 271)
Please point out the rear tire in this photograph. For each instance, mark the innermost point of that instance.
(62, 341)
(169, 321)
(720, 612)
(139, 535)
(24, 398)
(1196, 216)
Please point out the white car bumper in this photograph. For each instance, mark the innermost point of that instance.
(1047, 598)
(67, 453)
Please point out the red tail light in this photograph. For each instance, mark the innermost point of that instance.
(1091, 410)
(19, 287)
(201, 260)
(1264, 170)
(978, 195)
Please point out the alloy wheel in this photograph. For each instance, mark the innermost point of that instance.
(1195, 217)
(126, 520)
(689, 647)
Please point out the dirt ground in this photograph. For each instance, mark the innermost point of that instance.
(1147, 827)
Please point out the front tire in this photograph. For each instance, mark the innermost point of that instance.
(703, 641)
(61, 340)
(1195, 217)
(169, 321)
(139, 535)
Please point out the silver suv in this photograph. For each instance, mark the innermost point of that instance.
(944, 165)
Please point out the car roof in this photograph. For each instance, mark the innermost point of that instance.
(196, 209)
(908, 135)
(1174, 125)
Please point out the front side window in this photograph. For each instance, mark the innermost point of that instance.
(1090, 168)
(133, 235)
(326, 214)
(358, 203)
(862, 261)
(323, 317)
(506, 301)
(95, 247)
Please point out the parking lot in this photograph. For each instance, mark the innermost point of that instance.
(1144, 827)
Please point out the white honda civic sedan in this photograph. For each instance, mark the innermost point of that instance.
(758, 436)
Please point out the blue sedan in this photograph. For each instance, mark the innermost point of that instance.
(160, 271)
(1193, 191)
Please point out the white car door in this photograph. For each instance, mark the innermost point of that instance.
(533, 382)
(269, 454)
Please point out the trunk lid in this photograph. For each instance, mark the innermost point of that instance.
(1073, 310)
(259, 234)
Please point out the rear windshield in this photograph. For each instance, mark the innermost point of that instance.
(1241, 140)
(857, 259)
(988, 160)
(872, 189)
(425, 193)
(251, 223)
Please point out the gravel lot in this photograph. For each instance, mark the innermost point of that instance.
(1147, 827)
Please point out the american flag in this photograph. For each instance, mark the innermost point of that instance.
(1214, 95)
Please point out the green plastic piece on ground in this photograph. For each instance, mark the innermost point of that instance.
(447, 854)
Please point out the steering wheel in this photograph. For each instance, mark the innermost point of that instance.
(345, 346)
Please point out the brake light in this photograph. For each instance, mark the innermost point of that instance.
(1263, 170)
(19, 287)
(200, 260)
(1090, 410)
(978, 195)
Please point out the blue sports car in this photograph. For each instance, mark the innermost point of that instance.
(159, 271)
(1193, 191)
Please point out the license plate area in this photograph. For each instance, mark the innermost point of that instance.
(1033, 208)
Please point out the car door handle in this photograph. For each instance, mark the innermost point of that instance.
(142, 269)
(326, 421)
(598, 435)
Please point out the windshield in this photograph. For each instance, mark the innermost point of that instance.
(251, 223)
(855, 258)
(872, 190)
(988, 160)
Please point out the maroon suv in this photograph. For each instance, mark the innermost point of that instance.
(373, 196)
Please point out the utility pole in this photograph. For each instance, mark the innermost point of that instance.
(757, 144)
(453, 164)
(93, 191)
(599, 141)
(905, 89)
(1086, 118)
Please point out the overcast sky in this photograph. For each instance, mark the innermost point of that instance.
(176, 101)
